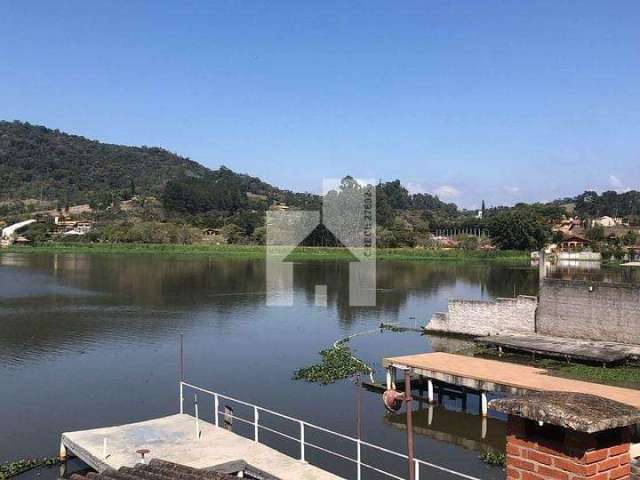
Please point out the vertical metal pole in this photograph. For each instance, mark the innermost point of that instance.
(359, 457)
(302, 442)
(256, 417)
(216, 407)
(181, 346)
(430, 390)
(181, 372)
(195, 405)
(409, 403)
(359, 407)
(417, 464)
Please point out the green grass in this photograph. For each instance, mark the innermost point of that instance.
(623, 376)
(627, 375)
(259, 252)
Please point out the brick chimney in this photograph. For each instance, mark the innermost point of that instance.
(567, 436)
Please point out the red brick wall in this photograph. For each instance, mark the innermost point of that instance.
(573, 456)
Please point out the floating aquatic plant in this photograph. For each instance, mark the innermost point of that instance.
(338, 362)
(494, 458)
(16, 467)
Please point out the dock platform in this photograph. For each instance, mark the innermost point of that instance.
(483, 376)
(173, 438)
(604, 353)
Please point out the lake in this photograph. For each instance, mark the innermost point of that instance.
(91, 340)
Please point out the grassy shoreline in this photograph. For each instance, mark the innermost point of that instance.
(259, 252)
(626, 375)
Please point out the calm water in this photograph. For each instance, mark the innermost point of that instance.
(88, 341)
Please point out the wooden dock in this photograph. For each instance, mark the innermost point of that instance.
(173, 438)
(598, 352)
(484, 376)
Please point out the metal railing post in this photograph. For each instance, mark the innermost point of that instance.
(302, 441)
(216, 407)
(359, 454)
(195, 405)
(256, 417)
(413, 463)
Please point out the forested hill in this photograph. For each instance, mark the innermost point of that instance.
(37, 162)
(40, 163)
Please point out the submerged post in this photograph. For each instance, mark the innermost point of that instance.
(483, 404)
(62, 456)
(408, 400)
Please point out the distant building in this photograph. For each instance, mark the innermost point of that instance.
(573, 242)
(20, 240)
(607, 221)
(445, 242)
(67, 226)
(212, 232)
(568, 226)
(279, 207)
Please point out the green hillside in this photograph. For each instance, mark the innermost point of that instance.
(37, 162)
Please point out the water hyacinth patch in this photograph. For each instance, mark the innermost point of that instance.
(337, 363)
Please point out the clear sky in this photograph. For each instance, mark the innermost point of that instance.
(497, 100)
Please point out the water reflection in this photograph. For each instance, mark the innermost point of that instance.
(592, 271)
(469, 431)
(89, 340)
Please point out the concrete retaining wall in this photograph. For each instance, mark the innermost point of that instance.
(479, 317)
(589, 310)
(581, 256)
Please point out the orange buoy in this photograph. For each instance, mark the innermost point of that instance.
(392, 400)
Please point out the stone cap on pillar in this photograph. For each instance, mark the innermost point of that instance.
(576, 411)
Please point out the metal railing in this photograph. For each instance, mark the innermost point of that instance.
(300, 439)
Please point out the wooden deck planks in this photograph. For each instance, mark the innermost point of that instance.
(492, 375)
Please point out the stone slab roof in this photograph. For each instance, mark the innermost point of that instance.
(577, 411)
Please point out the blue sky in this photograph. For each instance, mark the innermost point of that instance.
(499, 100)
